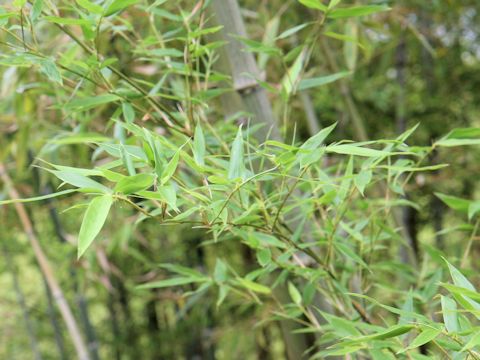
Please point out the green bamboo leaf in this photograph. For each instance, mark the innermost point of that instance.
(91, 102)
(314, 4)
(264, 257)
(356, 150)
(80, 181)
(473, 342)
(135, 183)
(294, 293)
(460, 137)
(473, 209)
(425, 336)
(66, 21)
(350, 48)
(127, 160)
(236, 167)
(388, 333)
(333, 3)
(292, 31)
(176, 281)
(119, 5)
(128, 112)
(221, 271)
(362, 180)
(455, 203)
(89, 6)
(253, 286)
(171, 167)
(450, 316)
(356, 11)
(36, 10)
(199, 146)
(322, 80)
(49, 68)
(291, 78)
(93, 221)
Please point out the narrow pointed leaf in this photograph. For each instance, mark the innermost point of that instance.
(93, 221)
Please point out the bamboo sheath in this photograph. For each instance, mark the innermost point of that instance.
(46, 269)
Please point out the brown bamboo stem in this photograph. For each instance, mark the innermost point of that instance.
(46, 268)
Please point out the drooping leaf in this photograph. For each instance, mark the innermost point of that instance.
(93, 221)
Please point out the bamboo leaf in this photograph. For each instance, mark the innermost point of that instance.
(236, 167)
(89, 6)
(314, 4)
(171, 167)
(454, 202)
(424, 337)
(91, 102)
(119, 5)
(450, 316)
(294, 293)
(93, 221)
(66, 21)
(80, 181)
(356, 11)
(356, 150)
(322, 80)
(473, 342)
(199, 146)
(253, 286)
(128, 112)
(176, 281)
(135, 183)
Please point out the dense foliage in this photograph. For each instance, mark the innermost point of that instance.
(232, 179)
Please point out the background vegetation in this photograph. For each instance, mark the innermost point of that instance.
(245, 179)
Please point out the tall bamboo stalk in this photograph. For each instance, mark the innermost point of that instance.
(46, 268)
